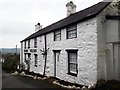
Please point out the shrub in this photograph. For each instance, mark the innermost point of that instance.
(11, 62)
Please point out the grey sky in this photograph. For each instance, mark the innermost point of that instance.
(18, 17)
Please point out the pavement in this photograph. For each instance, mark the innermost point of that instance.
(10, 81)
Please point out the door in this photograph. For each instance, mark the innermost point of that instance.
(56, 63)
(115, 61)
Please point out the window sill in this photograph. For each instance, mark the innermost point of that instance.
(71, 38)
(73, 74)
(57, 40)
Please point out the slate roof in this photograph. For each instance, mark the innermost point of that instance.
(80, 16)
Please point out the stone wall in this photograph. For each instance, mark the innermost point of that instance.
(86, 43)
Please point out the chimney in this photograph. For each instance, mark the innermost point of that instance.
(38, 27)
(71, 8)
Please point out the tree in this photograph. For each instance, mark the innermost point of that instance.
(11, 62)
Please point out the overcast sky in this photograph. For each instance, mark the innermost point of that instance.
(18, 17)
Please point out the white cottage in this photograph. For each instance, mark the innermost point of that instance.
(81, 48)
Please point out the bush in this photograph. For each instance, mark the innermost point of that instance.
(102, 85)
(108, 85)
(11, 62)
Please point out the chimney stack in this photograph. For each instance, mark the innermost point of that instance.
(71, 8)
(38, 27)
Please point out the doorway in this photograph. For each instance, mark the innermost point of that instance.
(56, 63)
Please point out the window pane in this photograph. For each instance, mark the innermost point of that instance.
(35, 42)
(24, 56)
(72, 57)
(73, 68)
(72, 32)
(28, 43)
(36, 58)
(57, 32)
(73, 27)
(57, 35)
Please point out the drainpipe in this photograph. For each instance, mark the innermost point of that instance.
(113, 60)
(45, 53)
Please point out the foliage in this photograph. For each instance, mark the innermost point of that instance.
(108, 85)
(11, 62)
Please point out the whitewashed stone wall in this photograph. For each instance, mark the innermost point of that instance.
(40, 65)
(86, 43)
(40, 46)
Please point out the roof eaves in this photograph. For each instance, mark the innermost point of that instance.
(59, 24)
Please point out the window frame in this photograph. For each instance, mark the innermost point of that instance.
(25, 55)
(35, 42)
(68, 30)
(56, 33)
(29, 56)
(28, 43)
(69, 69)
(36, 59)
(25, 44)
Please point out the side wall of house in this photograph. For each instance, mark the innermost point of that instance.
(107, 32)
(21, 56)
(86, 43)
(39, 68)
(23, 64)
(113, 46)
(101, 60)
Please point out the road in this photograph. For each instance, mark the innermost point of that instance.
(13, 82)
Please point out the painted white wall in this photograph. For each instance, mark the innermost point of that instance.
(101, 46)
(86, 43)
(21, 54)
(40, 46)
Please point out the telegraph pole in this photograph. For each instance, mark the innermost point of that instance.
(16, 49)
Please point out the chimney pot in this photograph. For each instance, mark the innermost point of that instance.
(38, 26)
(71, 8)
